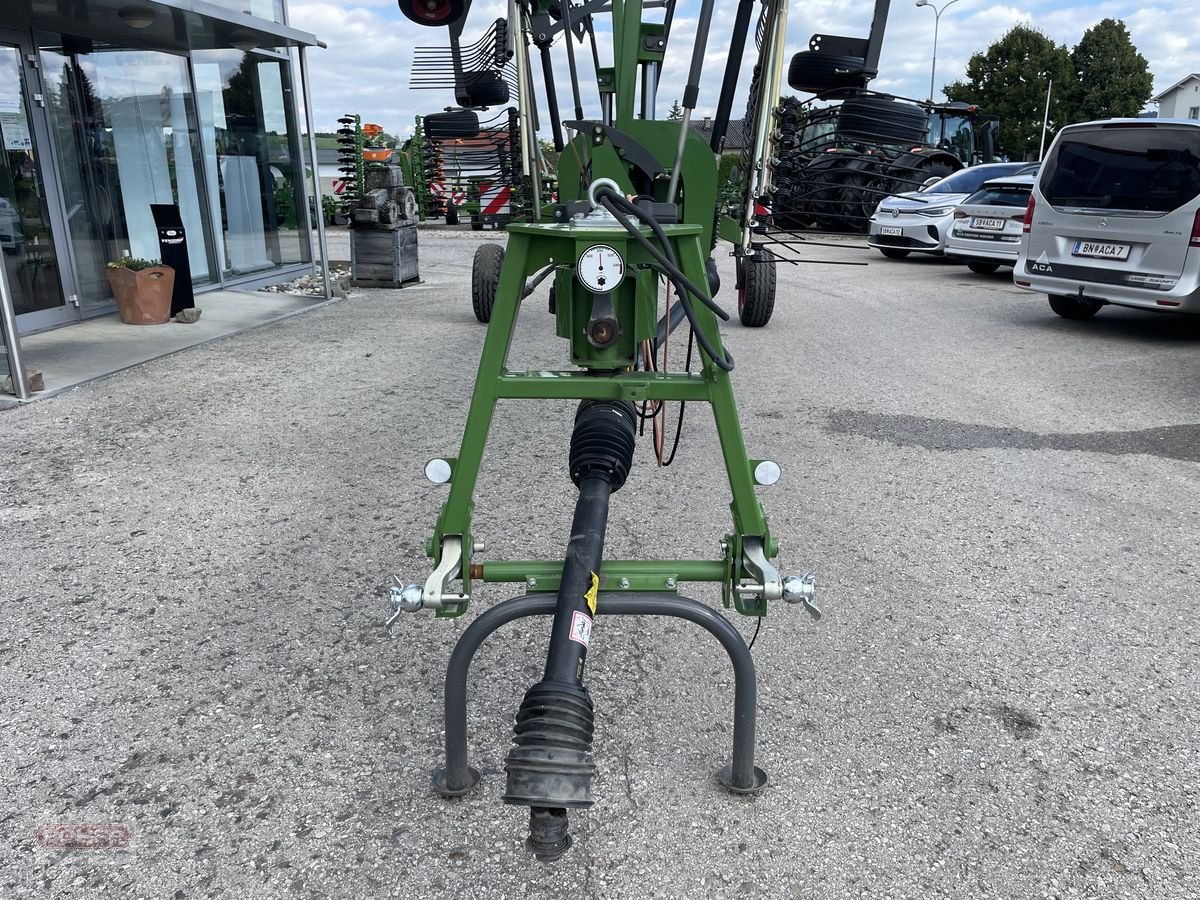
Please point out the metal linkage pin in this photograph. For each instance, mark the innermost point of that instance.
(802, 589)
(402, 599)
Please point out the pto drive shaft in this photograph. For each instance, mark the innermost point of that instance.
(550, 765)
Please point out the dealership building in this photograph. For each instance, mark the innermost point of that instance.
(111, 107)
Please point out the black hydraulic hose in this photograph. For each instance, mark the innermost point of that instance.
(733, 65)
(683, 285)
(668, 262)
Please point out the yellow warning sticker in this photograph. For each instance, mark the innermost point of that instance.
(590, 595)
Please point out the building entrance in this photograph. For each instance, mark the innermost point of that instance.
(28, 248)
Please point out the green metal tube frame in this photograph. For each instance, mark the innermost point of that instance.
(530, 248)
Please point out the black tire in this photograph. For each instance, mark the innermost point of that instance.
(911, 170)
(882, 121)
(484, 88)
(552, 303)
(485, 279)
(982, 268)
(458, 123)
(817, 72)
(892, 253)
(756, 296)
(1077, 308)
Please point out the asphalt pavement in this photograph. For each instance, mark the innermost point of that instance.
(1002, 508)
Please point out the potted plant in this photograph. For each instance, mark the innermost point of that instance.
(143, 289)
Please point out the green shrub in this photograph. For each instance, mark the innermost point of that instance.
(133, 263)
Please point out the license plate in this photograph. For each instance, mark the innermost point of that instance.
(987, 224)
(891, 230)
(1101, 251)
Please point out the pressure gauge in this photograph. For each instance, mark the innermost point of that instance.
(600, 268)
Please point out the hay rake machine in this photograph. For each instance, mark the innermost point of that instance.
(636, 217)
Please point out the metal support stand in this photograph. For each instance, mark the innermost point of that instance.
(740, 777)
(12, 342)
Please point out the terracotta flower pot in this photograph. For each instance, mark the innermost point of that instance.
(143, 297)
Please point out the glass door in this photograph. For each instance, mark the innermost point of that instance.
(29, 243)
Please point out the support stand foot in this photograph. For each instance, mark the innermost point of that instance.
(443, 785)
(757, 783)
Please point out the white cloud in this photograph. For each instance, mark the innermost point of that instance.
(366, 68)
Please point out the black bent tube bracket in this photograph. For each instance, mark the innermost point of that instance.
(740, 777)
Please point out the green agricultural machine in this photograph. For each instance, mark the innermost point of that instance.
(634, 226)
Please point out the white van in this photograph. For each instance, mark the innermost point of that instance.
(1115, 218)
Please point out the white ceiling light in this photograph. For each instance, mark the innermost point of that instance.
(137, 16)
(244, 41)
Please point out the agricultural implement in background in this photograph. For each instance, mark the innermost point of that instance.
(636, 217)
(847, 147)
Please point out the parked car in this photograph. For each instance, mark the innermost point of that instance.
(918, 221)
(986, 228)
(11, 236)
(1115, 218)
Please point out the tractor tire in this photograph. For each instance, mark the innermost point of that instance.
(911, 170)
(485, 279)
(882, 121)
(817, 72)
(1076, 308)
(478, 89)
(756, 295)
(458, 123)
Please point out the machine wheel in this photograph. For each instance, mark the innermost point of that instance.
(882, 121)
(982, 268)
(485, 279)
(485, 88)
(817, 72)
(756, 296)
(894, 254)
(1077, 308)
(459, 123)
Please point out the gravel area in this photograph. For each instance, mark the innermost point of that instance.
(1002, 701)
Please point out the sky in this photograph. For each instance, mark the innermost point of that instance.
(365, 69)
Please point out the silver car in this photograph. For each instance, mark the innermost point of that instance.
(919, 220)
(985, 229)
(1115, 218)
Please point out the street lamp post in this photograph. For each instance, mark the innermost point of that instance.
(937, 17)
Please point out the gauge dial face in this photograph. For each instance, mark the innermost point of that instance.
(600, 268)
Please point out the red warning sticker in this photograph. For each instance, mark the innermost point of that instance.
(581, 628)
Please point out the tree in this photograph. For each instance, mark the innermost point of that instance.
(1112, 78)
(676, 113)
(1009, 80)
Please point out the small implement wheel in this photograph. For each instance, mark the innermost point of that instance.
(982, 268)
(1074, 307)
(816, 72)
(485, 279)
(756, 294)
(458, 123)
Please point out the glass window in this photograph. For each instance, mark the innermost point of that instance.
(26, 249)
(1147, 168)
(124, 122)
(251, 158)
(969, 180)
(1000, 195)
(271, 10)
